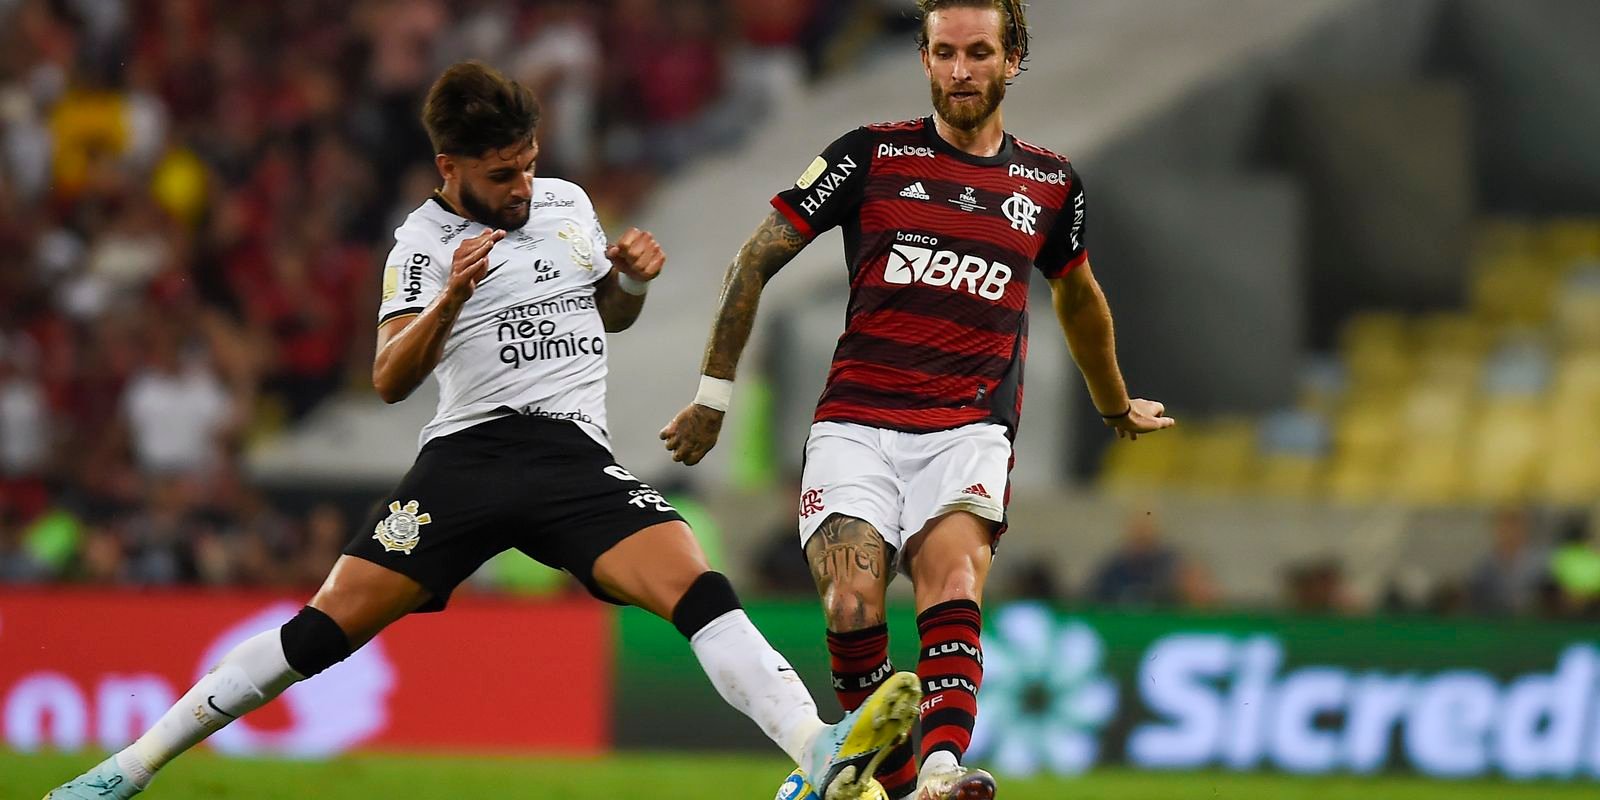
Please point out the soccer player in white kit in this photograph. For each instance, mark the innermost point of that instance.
(504, 286)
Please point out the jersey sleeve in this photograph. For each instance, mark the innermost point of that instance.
(1066, 247)
(597, 236)
(412, 277)
(831, 187)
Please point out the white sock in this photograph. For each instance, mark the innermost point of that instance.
(248, 676)
(755, 679)
(938, 761)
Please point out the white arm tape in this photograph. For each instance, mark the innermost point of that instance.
(631, 285)
(715, 393)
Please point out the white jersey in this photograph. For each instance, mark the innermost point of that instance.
(530, 339)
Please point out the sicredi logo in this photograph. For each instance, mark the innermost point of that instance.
(909, 264)
(897, 151)
(1243, 702)
(1223, 700)
(1057, 178)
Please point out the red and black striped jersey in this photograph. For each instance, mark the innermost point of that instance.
(940, 245)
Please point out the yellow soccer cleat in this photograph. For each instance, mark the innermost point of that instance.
(842, 759)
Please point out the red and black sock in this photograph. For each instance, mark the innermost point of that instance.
(951, 669)
(860, 665)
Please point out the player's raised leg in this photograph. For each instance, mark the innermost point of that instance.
(949, 562)
(662, 570)
(852, 564)
(357, 600)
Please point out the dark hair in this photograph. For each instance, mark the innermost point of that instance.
(1013, 22)
(472, 109)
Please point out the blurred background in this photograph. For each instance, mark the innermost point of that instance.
(1354, 246)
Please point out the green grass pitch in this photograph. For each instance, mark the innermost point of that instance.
(651, 777)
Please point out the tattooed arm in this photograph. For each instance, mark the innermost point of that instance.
(693, 432)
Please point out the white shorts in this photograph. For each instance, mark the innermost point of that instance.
(898, 481)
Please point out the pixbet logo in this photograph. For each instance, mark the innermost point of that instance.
(909, 264)
(896, 151)
(1057, 178)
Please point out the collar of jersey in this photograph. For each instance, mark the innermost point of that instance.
(937, 142)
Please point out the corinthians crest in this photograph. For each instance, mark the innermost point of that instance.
(582, 248)
(402, 529)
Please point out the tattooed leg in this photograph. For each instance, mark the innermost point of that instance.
(850, 563)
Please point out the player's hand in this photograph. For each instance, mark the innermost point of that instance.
(470, 265)
(1144, 416)
(638, 255)
(692, 433)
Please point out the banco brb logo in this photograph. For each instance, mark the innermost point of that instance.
(942, 268)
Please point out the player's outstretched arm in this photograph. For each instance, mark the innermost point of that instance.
(636, 259)
(693, 432)
(410, 347)
(1086, 320)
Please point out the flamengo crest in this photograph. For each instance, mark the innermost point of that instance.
(1022, 211)
(402, 529)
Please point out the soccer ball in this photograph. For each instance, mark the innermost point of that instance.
(797, 788)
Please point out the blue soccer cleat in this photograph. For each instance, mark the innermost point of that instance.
(844, 756)
(796, 788)
(105, 782)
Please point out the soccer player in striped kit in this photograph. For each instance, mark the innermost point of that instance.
(907, 465)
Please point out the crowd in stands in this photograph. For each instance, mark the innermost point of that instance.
(194, 199)
(195, 196)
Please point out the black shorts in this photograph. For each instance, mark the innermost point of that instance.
(539, 485)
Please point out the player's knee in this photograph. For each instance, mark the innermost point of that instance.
(946, 582)
(852, 609)
(709, 597)
(313, 642)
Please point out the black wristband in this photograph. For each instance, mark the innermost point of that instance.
(1129, 412)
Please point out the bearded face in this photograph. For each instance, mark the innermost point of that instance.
(967, 65)
(511, 215)
(966, 106)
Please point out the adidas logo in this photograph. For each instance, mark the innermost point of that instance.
(977, 490)
(915, 192)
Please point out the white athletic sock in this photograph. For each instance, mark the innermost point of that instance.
(755, 679)
(248, 676)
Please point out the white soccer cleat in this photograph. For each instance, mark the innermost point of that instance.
(958, 783)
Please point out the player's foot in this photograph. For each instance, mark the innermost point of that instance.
(797, 788)
(842, 759)
(958, 783)
(105, 782)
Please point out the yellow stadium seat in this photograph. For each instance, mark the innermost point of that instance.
(1134, 468)
(1428, 473)
(1288, 475)
(1220, 457)
(1503, 461)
